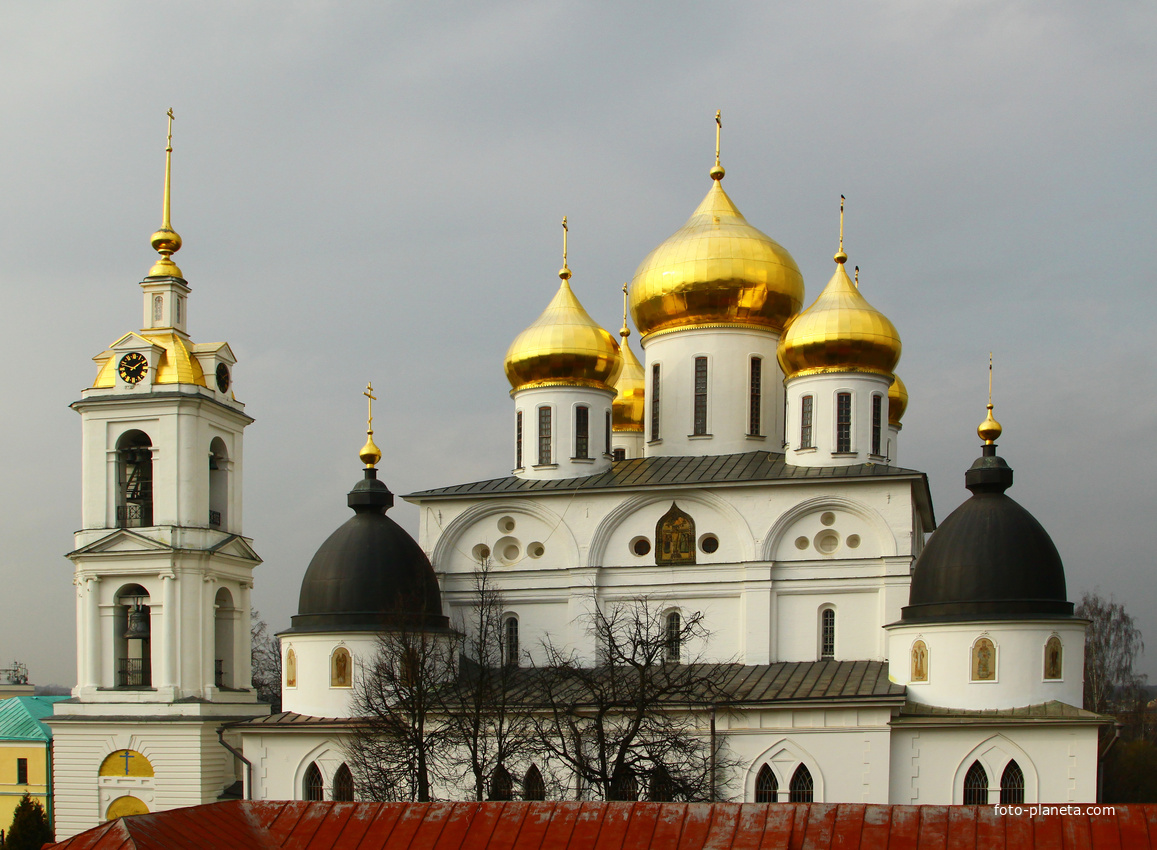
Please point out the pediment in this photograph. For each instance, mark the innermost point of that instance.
(237, 547)
(122, 540)
(134, 342)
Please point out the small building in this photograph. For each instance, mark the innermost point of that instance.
(25, 754)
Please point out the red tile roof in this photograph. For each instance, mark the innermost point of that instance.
(615, 826)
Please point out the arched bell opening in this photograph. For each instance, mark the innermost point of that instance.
(134, 498)
(225, 616)
(132, 635)
(218, 484)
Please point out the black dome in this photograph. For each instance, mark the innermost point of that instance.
(990, 559)
(369, 574)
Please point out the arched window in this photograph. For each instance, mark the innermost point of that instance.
(700, 422)
(544, 436)
(1012, 784)
(510, 641)
(582, 432)
(802, 787)
(624, 786)
(805, 422)
(655, 402)
(877, 422)
(976, 786)
(312, 788)
(132, 637)
(533, 787)
(343, 785)
(672, 638)
(518, 440)
(755, 397)
(660, 788)
(827, 633)
(224, 622)
(218, 483)
(766, 786)
(134, 480)
(501, 785)
(843, 422)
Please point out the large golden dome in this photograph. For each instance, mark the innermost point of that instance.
(176, 366)
(897, 401)
(716, 271)
(840, 332)
(563, 347)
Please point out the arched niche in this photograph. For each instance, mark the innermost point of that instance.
(511, 534)
(219, 469)
(783, 759)
(125, 806)
(132, 625)
(134, 480)
(994, 753)
(828, 527)
(225, 620)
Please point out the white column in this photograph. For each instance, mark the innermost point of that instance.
(92, 628)
(169, 634)
(208, 634)
(243, 641)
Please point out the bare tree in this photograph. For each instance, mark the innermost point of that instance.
(1112, 644)
(398, 741)
(634, 724)
(265, 655)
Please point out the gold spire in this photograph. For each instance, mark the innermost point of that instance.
(370, 453)
(989, 430)
(717, 171)
(630, 387)
(564, 272)
(841, 257)
(857, 277)
(166, 241)
(624, 331)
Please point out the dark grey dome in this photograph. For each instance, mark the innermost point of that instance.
(370, 574)
(990, 559)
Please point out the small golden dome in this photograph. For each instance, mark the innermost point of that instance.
(166, 242)
(897, 401)
(840, 332)
(716, 270)
(989, 430)
(370, 453)
(563, 347)
(628, 407)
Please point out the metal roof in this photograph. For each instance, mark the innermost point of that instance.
(1053, 711)
(616, 826)
(20, 718)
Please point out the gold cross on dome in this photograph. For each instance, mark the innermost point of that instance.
(369, 394)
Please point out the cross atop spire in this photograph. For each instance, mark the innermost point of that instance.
(564, 272)
(370, 453)
(717, 171)
(166, 241)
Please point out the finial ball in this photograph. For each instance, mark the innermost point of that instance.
(717, 172)
(989, 430)
(840, 257)
(166, 242)
(564, 273)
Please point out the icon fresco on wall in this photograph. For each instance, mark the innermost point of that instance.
(1053, 658)
(291, 669)
(340, 675)
(919, 662)
(675, 538)
(983, 661)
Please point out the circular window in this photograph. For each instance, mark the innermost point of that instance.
(827, 541)
(709, 543)
(641, 546)
(508, 549)
(802, 543)
(535, 550)
(828, 518)
(506, 524)
(853, 541)
(480, 552)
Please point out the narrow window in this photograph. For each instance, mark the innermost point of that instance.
(700, 395)
(624, 786)
(655, 402)
(756, 398)
(843, 422)
(135, 474)
(582, 432)
(802, 787)
(158, 309)
(660, 788)
(1012, 784)
(620, 454)
(22, 771)
(766, 786)
(533, 786)
(510, 641)
(343, 785)
(543, 436)
(673, 637)
(805, 422)
(828, 634)
(311, 786)
(518, 440)
(877, 409)
(976, 786)
(501, 785)
(607, 434)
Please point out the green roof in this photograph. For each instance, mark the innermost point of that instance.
(20, 718)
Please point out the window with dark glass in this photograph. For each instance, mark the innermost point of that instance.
(655, 402)
(624, 786)
(518, 440)
(582, 432)
(828, 633)
(843, 422)
(976, 786)
(805, 422)
(501, 785)
(21, 771)
(135, 479)
(620, 454)
(510, 640)
(533, 785)
(756, 396)
(700, 395)
(607, 434)
(312, 787)
(543, 436)
(673, 637)
(343, 785)
(1012, 784)
(660, 787)
(766, 786)
(802, 787)
(877, 417)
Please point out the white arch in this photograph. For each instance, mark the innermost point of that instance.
(448, 541)
(994, 753)
(323, 755)
(872, 517)
(615, 517)
(788, 751)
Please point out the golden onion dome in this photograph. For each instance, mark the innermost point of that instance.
(627, 408)
(897, 401)
(840, 332)
(716, 271)
(177, 364)
(989, 430)
(563, 347)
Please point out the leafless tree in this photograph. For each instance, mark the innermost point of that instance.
(635, 724)
(1112, 644)
(265, 655)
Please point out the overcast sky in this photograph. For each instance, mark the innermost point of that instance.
(373, 190)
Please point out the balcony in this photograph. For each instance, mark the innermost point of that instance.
(134, 515)
(219, 672)
(214, 519)
(134, 673)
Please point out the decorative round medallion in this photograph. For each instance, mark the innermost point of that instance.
(222, 377)
(132, 367)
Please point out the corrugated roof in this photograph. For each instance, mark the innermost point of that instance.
(616, 826)
(20, 718)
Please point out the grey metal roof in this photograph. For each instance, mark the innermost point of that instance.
(1053, 711)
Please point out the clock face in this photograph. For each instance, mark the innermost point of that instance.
(133, 367)
(222, 377)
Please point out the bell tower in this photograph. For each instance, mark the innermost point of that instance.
(163, 573)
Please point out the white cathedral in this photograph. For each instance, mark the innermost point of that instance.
(746, 470)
